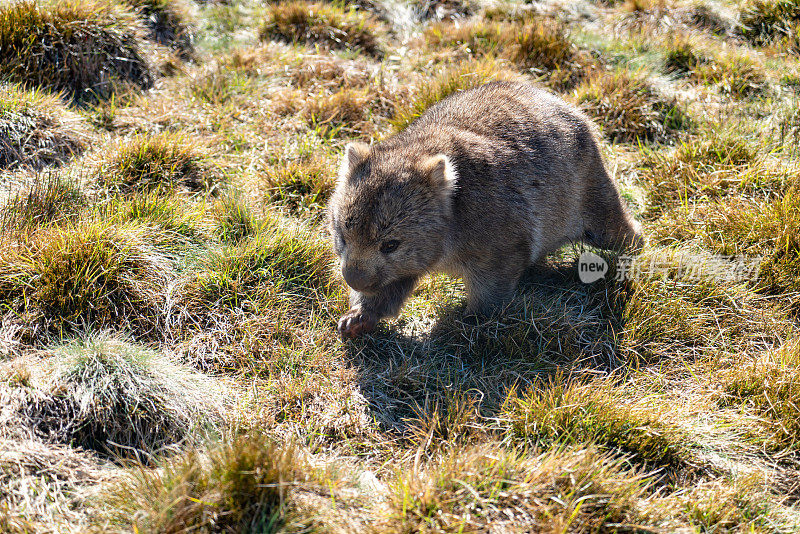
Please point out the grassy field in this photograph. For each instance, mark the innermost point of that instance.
(168, 295)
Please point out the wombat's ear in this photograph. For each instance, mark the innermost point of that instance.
(441, 174)
(354, 154)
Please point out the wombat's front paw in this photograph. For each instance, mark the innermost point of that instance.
(356, 322)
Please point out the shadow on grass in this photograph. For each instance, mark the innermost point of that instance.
(555, 325)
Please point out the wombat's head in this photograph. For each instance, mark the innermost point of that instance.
(389, 215)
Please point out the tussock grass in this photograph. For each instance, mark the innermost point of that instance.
(735, 74)
(49, 199)
(568, 411)
(766, 22)
(459, 78)
(234, 220)
(242, 485)
(42, 486)
(302, 185)
(486, 487)
(169, 22)
(86, 49)
(768, 386)
(61, 277)
(168, 162)
(279, 263)
(628, 108)
(36, 130)
(324, 24)
(539, 45)
(121, 399)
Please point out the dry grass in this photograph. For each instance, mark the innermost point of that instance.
(628, 109)
(36, 130)
(87, 50)
(324, 24)
(242, 485)
(169, 22)
(112, 396)
(539, 45)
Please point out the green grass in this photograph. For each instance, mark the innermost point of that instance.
(628, 109)
(594, 412)
(242, 485)
(166, 162)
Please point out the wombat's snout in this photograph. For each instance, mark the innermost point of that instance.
(356, 278)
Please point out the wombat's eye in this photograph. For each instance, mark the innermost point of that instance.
(387, 247)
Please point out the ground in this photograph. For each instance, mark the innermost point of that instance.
(169, 360)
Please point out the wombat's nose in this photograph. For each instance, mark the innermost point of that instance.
(355, 278)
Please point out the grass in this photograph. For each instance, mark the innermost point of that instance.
(540, 46)
(62, 277)
(242, 485)
(594, 412)
(767, 386)
(169, 22)
(321, 23)
(766, 22)
(36, 130)
(169, 295)
(167, 162)
(467, 490)
(50, 199)
(628, 109)
(121, 399)
(86, 50)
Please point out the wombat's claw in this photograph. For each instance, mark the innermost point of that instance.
(356, 322)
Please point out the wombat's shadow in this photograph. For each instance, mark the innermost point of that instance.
(556, 324)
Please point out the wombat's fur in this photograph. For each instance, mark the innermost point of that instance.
(481, 186)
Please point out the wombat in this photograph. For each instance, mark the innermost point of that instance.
(482, 185)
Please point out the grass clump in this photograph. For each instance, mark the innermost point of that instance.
(628, 108)
(245, 484)
(301, 186)
(234, 221)
(280, 265)
(593, 412)
(49, 199)
(539, 45)
(767, 22)
(61, 277)
(84, 49)
(169, 22)
(768, 386)
(121, 399)
(321, 23)
(36, 130)
(443, 9)
(167, 162)
(736, 74)
(464, 76)
(486, 487)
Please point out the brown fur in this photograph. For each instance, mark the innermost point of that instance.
(481, 186)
